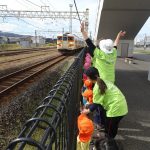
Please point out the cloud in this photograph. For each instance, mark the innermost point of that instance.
(7, 27)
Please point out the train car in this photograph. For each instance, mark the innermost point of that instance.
(69, 43)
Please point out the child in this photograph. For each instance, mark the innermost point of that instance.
(87, 100)
(87, 85)
(88, 96)
(110, 99)
(86, 128)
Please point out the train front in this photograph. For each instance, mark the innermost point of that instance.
(66, 43)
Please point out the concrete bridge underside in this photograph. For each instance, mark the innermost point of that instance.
(116, 15)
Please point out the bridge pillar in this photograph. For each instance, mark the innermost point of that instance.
(125, 48)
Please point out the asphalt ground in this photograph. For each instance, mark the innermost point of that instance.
(144, 57)
(132, 79)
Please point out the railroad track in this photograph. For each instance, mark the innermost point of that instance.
(20, 59)
(16, 79)
(20, 51)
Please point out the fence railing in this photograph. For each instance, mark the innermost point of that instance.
(53, 125)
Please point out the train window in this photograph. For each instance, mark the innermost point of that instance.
(70, 38)
(64, 38)
(59, 38)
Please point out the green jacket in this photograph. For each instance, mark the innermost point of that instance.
(113, 100)
(105, 63)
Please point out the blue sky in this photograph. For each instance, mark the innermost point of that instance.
(28, 26)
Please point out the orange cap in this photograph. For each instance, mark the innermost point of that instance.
(86, 128)
(89, 95)
(88, 84)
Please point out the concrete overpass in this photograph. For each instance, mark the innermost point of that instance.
(116, 15)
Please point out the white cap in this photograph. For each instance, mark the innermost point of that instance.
(106, 46)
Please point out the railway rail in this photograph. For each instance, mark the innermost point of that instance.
(24, 58)
(16, 79)
(19, 51)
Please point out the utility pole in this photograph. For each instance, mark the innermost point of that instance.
(145, 41)
(62, 30)
(35, 38)
(70, 27)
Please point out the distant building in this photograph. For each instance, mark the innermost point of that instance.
(148, 41)
(144, 42)
(32, 41)
(25, 42)
(50, 40)
(3, 40)
(13, 40)
(39, 40)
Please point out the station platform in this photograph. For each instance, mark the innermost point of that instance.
(134, 129)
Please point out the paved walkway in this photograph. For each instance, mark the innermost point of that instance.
(145, 57)
(134, 131)
(132, 79)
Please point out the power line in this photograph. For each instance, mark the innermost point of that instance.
(51, 4)
(28, 23)
(42, 2)
(33, 3)
(77, 11)
(86, 17)
(24, 3)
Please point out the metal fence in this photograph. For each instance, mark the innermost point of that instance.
(53, 125)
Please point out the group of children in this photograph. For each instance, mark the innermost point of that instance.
(100, 94)
(85, 124)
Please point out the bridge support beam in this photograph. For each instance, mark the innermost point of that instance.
(125, 48)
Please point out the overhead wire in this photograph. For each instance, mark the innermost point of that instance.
(29, 23)
(24, 3)
(43, 2)
(40, 6)
(25, 20)
(49, 10)
(77, 11)
(51, 4)
(33, 3)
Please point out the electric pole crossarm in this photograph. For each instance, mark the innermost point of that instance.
(46, 13)
(40, 14)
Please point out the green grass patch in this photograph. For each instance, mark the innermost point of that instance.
(141, 51)
(48, 45)
(9, 46)
(17, 46)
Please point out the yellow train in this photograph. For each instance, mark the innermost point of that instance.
(68, 43)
